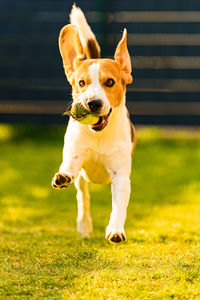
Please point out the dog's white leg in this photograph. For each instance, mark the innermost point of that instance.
(69, 169)
(120, 198)
(84, 221)
(119, 169)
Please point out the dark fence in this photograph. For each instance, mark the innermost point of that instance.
(163, 40)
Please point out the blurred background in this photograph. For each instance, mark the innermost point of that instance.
(163, 41)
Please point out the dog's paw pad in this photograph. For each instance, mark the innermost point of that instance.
(116, 238)
(61, 180)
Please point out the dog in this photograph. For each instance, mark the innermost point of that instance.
(100, 153)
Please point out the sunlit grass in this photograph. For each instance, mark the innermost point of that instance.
(6, 132)
(42, 255)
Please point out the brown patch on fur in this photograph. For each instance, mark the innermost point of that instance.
(123, 58)
(92, 50)
(133, 133)
(134, 141)
(111, 69)
(62, 34)
(71, 49)
(131, 126)
(81, 73)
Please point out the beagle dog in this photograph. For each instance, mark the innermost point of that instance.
(100, 153)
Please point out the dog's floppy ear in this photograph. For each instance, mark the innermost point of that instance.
(71, 49)
(123, 58)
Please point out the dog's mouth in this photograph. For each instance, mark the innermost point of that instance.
(102, 123)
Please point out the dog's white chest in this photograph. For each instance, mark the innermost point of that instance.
(94, 170)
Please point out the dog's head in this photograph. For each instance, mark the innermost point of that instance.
(99, 84)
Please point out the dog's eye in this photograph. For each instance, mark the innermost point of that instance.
(82, 83)
(109, 82)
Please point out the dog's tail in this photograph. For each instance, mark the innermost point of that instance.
(86, 35)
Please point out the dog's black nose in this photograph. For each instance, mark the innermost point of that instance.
(95, 105)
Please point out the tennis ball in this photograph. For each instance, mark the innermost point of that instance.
(80, 114)
(78, 111)
(89, 120)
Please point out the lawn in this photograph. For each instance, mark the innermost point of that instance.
(42, 255)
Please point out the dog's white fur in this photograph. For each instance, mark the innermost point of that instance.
(78, 19)
(99, 157)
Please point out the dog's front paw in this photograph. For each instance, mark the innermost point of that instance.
(115, 236)
(61, 180)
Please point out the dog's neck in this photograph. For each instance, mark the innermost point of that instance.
(118, 113)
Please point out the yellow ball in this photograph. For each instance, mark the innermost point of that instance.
(78, 111)
(89, 120)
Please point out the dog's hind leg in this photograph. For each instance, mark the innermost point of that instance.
(84, 220)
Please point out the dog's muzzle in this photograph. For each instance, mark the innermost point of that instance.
(95, 105)
(102, 123)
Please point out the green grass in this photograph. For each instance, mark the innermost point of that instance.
(42, 255)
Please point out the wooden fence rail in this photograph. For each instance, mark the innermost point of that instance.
(163, 40)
